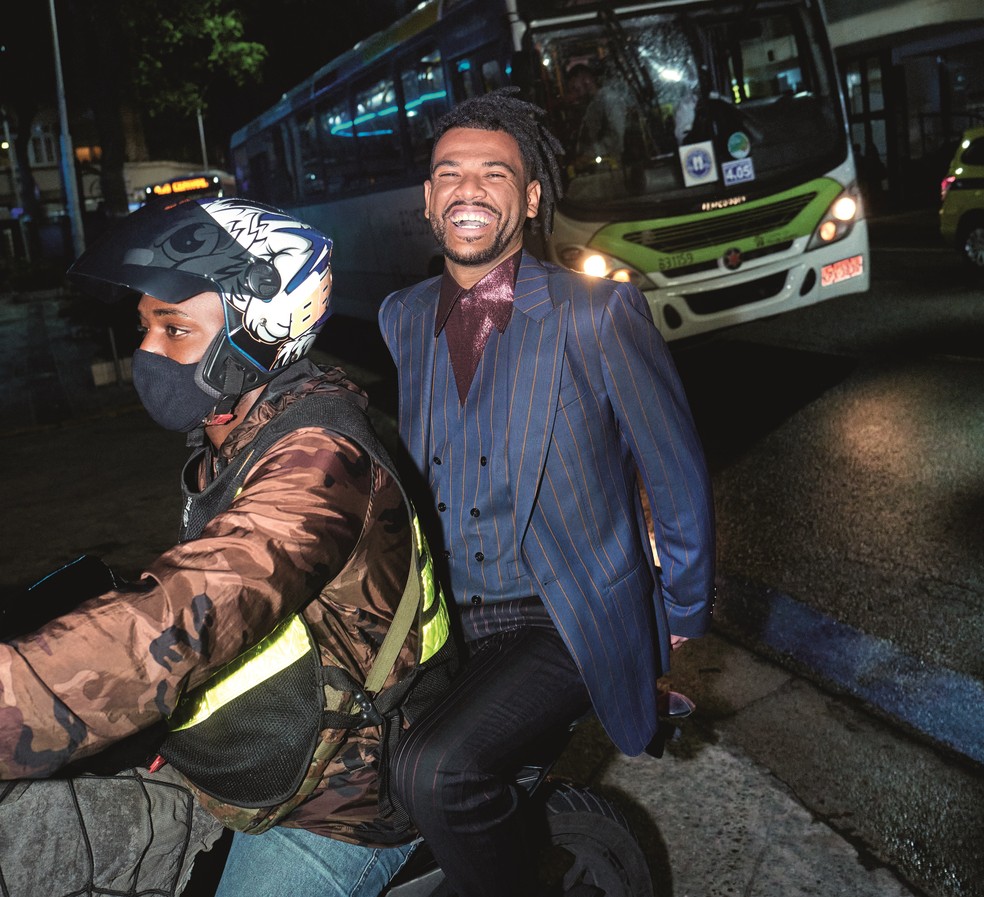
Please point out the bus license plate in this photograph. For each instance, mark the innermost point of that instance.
(845, 269)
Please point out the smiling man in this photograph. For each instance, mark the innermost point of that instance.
(530, 396)
(478, 201)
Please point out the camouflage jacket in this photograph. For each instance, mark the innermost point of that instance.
(311, 515)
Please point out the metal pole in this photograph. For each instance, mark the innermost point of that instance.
(201, 137)
(67, 152)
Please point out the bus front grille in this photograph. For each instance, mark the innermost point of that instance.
(721, 229)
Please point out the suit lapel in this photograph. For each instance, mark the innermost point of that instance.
(537, 333)
(536, 353)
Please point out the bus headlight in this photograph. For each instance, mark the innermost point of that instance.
(597, 264)
(838, 221)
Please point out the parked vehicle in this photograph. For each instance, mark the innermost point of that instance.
(962, 199)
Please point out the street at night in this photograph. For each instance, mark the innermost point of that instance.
(837, 743)
(794, 189)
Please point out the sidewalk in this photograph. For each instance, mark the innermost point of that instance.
(715, 820)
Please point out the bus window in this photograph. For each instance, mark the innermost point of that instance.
(312, 181)
(337, 144)
(262, 168)
(478, 73)
(377, 130)
(748, 88)
(425, 100)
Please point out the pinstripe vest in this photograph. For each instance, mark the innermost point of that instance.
(469, 478)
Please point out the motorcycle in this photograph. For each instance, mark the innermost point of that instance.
(586, 847)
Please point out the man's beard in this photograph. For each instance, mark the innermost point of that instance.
(503, 235)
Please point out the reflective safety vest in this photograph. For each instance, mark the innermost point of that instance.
(257, 735)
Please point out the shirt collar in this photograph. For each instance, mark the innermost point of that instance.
(498, 286)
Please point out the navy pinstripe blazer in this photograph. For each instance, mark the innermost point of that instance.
(595, 397)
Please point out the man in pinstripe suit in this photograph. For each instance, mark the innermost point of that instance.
(530, 399)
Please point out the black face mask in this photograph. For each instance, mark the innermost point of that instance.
(169, 392)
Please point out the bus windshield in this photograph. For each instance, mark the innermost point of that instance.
(662, 109)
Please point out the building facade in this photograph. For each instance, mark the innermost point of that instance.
(913, 73)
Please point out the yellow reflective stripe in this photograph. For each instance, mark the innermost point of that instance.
(288, 643)
(435, 621)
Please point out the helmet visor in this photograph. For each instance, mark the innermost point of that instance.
(170, 252)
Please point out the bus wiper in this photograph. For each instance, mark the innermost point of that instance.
(627, 61)
(635, 74)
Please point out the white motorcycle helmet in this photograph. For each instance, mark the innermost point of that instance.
(272, 272)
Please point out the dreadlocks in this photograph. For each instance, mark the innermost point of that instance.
(501, 110)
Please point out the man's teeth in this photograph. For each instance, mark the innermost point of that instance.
(470, 220)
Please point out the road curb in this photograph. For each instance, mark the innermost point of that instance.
(927, 700)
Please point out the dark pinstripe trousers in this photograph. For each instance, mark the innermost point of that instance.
(454, 768)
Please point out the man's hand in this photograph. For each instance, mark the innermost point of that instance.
(676, 641)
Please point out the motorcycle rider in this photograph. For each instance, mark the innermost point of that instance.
(232, 295)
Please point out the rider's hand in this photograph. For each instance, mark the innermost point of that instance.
(676, 641)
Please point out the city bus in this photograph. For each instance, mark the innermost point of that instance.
(706, 153)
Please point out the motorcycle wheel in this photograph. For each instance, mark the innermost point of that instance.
(592, 849)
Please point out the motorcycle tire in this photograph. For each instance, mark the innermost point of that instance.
(592, 849)
(590, 852)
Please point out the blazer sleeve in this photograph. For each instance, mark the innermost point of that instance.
(654, 417)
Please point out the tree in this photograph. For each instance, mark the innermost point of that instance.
(160, 56)
(186, 51)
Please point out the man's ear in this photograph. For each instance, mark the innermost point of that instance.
(532, 199)
(427, 198)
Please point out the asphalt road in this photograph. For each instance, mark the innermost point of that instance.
(859, 494)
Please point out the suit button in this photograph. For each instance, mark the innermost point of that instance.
(479, 556)
(436, 460)
(475, 512)
(441, 507)
(447, 553)
(483, 460)
(476, 599)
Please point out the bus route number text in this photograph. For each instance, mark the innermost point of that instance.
(738, 172)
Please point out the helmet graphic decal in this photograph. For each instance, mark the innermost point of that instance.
(278, 302)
